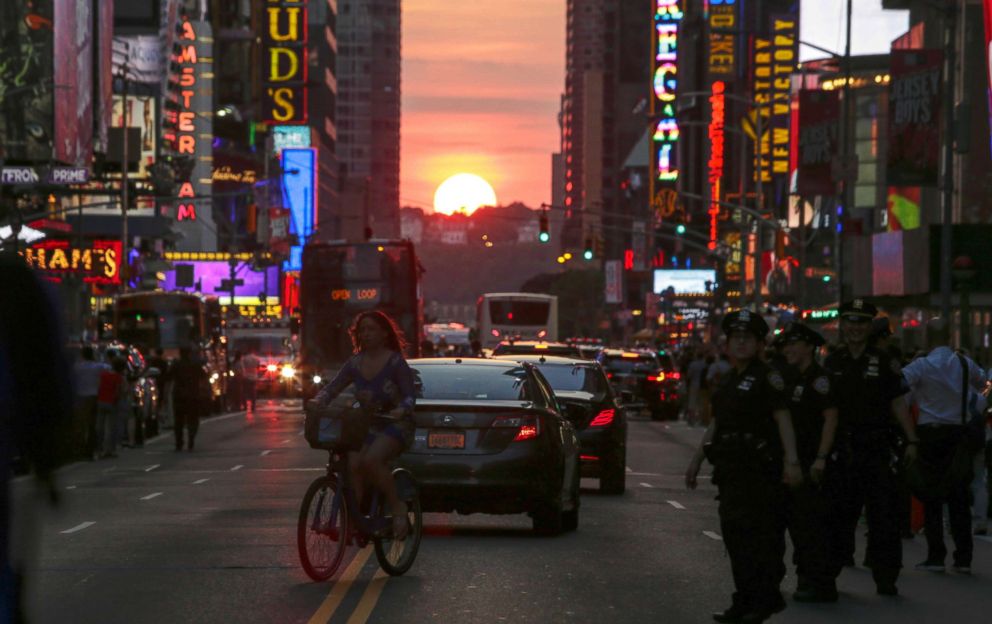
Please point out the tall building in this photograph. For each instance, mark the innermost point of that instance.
(368, 116)
(588, 38)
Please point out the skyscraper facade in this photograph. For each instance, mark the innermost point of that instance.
(368, 116)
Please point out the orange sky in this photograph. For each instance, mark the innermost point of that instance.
(481, 87)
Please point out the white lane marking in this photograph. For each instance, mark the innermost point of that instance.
(238, 467)
(712, 535)
(286, 441)
(70, 487)
(152, 467)
(629, 469)
(647, 474)
(264, 453)
(78, 527)
(667, 427)
(676, 504)
(199, 481)
(151, 496)
(647, 485)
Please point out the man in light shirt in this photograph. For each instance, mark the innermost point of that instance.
(87, 375)
(936, 381)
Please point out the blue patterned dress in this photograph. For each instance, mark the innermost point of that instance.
(390, 388)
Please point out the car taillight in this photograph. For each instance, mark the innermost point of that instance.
(676, 375)
(495, 333)
(658, 377)
(603, 418)
(609, 375)
(542, 334)
(530, 426)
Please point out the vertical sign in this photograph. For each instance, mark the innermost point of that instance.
(763, 97)
(717, 148)
(722, 21)
(299, 183)
(284, 59)
(664, 163)
(614, 281)
(914, 117)
(785, 55)
(819, 138)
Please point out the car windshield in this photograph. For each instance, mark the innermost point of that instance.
(641, 363)
(574, 378)
(464, 381)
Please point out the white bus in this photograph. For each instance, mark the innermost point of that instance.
(517, 316)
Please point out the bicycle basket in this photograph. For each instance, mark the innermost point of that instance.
(336, 429)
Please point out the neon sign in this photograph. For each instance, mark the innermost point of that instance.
(664, 165)
(285, 62)
(716, 136)
(185, 123)
(785, 30)
(99, 262)
(722, 22)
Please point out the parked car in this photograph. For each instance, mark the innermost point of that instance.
(536, 347)
(144, 384)
(649, 384)
(490, 438)
(585, 395)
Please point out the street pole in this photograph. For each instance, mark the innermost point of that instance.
(845, 198)
(743, 224)
(946, 227)
(759, 204)
(124, 180)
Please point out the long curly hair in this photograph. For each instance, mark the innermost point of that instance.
(394, 335)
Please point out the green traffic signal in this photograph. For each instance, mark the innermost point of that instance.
(587, 254)
(544, 237)
(680, 228)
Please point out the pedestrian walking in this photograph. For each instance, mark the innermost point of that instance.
(813, 405)
(86, 373)
(191, 383)
(944, 383)
(112, 392)
(870, 395)
(696, 373)
(752, 446)
(249, 375)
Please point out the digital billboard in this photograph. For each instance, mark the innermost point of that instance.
(208, 276)
(684, 281)
(299, 185)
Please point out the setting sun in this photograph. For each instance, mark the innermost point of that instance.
(465, 193)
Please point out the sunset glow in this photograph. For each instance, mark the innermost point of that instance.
(465, 193)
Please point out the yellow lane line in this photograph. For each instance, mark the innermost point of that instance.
(341, 587)
(369, 598)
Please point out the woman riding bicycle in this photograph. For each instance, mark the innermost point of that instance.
(383, 384)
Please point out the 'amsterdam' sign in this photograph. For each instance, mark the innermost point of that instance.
(98, 262)
(284, 62)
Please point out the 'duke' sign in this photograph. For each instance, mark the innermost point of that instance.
(285, 62)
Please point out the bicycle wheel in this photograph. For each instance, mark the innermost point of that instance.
(396, 556)
(321, 534)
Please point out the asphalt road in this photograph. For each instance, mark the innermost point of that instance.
(209, 536)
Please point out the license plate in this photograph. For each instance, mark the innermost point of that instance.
(446, 439)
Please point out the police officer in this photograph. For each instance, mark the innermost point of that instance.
(746, 442)
(813, 404)
(870, 395)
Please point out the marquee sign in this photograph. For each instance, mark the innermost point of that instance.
(99, 261)
(785, 57)
(722, 20)
(664, 159)
(284, 61)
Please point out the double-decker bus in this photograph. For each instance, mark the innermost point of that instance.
(340, 279)
(517, 316)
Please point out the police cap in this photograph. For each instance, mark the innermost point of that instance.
(797, 331)
(857, 310)
(745, 320)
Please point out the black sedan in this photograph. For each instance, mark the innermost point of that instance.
(591, 405)
(490, 438)
(642, 375)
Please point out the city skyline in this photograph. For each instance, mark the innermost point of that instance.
(497, 118)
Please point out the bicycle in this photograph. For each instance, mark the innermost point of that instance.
(331, 518)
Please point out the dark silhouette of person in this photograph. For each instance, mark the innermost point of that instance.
(190, 392)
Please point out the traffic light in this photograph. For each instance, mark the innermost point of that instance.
(544, 236)
(588, 253)
(680, 229)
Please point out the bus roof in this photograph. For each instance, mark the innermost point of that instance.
(518, 295)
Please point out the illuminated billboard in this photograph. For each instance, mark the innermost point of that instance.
(299, 185)
(717, 149)
(664, 159)
(284, 62)
(684, 281)
(722, 21)
(98, 262)
(208, 276)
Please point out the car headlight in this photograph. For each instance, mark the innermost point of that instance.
(317, 379)
(272, 368)
(288, 372)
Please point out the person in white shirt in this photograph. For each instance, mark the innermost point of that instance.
(86, 372)
(936, 381)
(249, 373)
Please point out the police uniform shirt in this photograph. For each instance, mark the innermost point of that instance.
(810, 394)
(866, 386)
(745, 401)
